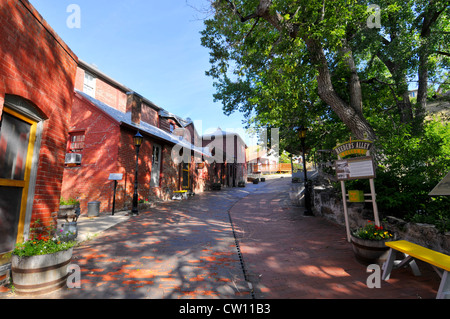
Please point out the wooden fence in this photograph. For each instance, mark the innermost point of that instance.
(272, 168)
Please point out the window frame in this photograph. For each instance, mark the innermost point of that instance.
(78, 150)
(89, 84)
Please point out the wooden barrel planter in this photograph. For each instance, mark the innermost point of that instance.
(39, 275)
(369, 251)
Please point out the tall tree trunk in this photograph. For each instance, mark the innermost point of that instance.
(351, 116)
(430, 17)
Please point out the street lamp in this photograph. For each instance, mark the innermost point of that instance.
(137, 140)
(302, 134)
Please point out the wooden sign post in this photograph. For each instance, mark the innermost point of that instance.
(360, 167)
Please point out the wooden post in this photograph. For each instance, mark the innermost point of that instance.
(344, 200)
(374, 202)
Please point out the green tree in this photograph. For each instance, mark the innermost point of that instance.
(288, 63)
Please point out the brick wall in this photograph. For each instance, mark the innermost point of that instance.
(164, 124)
(89, 181)
(37, 65)
(127, 165)
(150, 115)
(104, 91)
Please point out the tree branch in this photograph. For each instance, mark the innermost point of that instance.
(442, 53)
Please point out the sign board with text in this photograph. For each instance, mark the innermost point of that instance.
(360, 165)
(355, 147)
(355, 168)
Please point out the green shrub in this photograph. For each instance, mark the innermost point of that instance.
(67, 202)
(410, 166)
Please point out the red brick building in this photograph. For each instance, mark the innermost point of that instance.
(37, 75)
(105, 117)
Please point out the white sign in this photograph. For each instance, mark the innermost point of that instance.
(115, 177)
(355, 168)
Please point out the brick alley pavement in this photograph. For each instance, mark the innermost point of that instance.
(187, 249)
(291, 256)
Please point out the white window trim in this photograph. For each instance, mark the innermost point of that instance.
(89, 84)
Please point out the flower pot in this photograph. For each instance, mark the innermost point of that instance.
(39, 275)
(69, 211)
(370, 251)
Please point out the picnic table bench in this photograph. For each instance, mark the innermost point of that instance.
(440, 263)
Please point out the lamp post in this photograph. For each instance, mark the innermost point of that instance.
(137, 140)
(302, 134)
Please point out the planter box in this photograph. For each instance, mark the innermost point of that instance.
(69, 211)
(39, 275)
(370, 251)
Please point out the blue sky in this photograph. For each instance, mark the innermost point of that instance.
(151, 46)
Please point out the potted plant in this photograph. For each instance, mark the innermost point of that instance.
(39, 265)
(69, 208)
(369, 243)
(241, 184)
(216, 186)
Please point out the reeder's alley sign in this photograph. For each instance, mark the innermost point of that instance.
(358, 147)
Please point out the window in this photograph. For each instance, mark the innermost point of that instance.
(155, 156)
(76, 142)
(171, 127)
(14, 139)
(89, 84)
